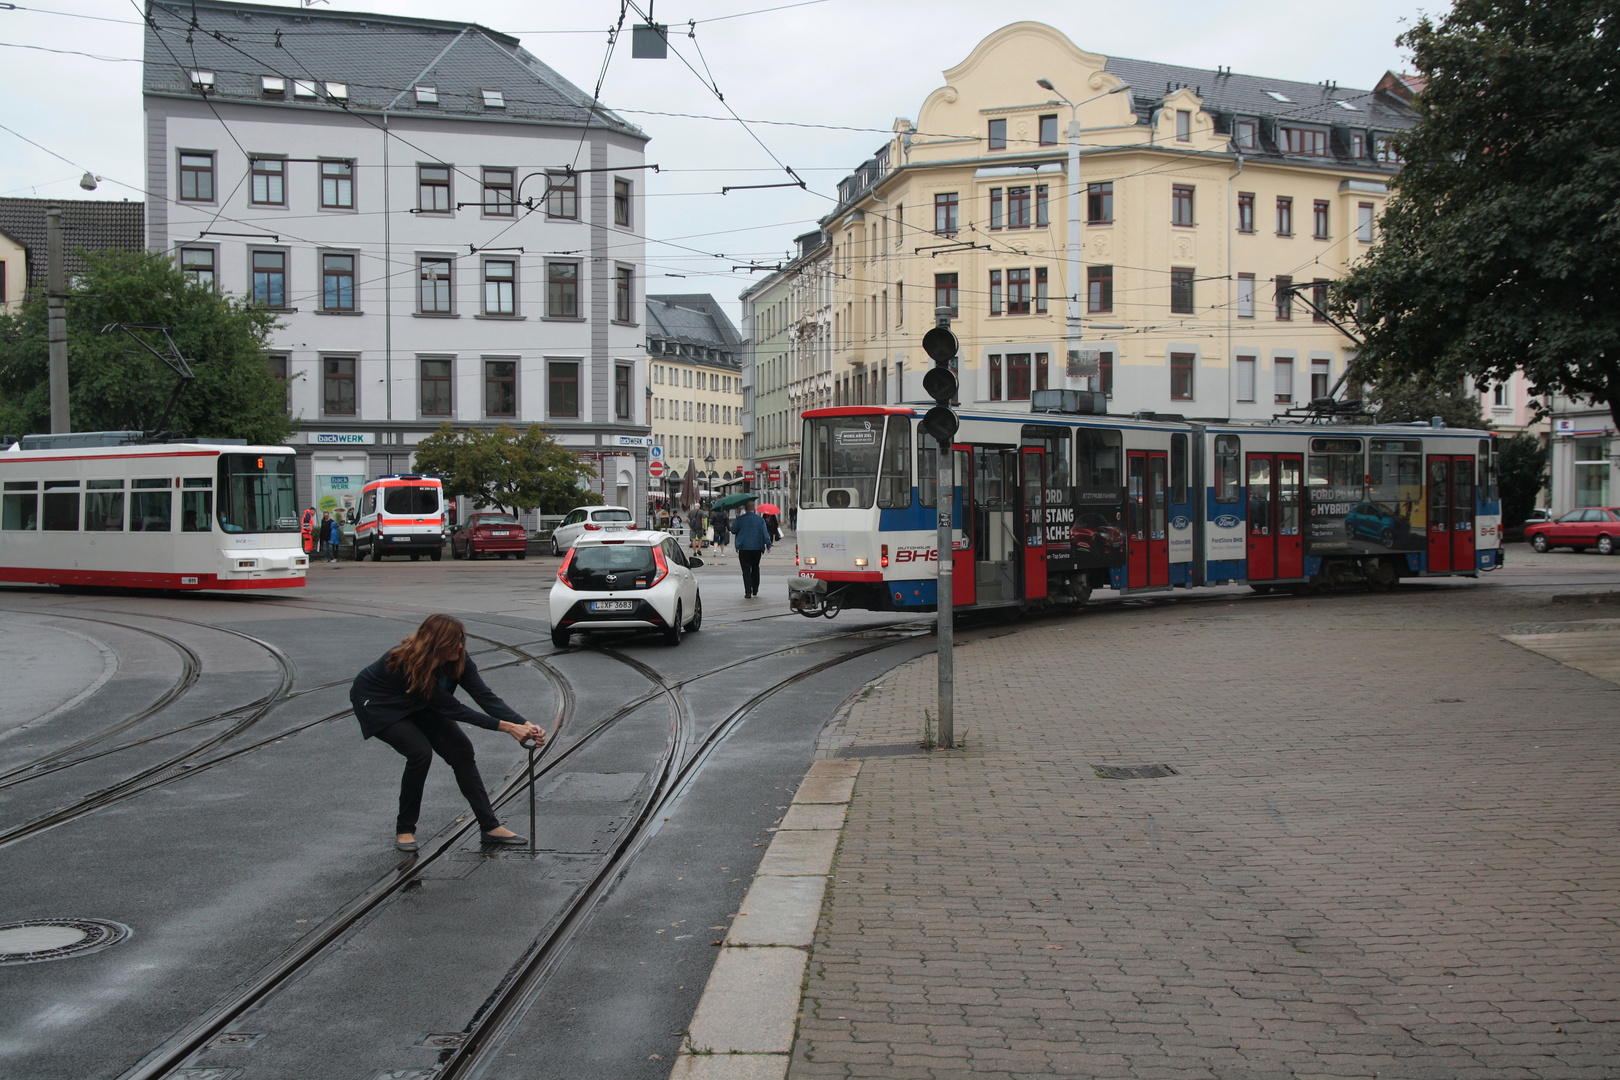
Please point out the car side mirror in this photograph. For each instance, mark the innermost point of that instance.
(693, 561)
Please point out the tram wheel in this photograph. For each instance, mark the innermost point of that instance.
(1381, 576)
(1263, 590)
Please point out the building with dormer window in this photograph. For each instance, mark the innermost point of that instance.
(448, 230)
(1213, 205)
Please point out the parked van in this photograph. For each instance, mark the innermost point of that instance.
(401, 515)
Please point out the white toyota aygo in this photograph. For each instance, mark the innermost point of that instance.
(618, 579)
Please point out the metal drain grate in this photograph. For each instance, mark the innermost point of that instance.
(34, 941)
(235, 1039)
(1134, 772)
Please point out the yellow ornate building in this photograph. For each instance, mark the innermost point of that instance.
(1205, 197)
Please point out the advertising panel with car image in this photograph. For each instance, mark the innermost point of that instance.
(1365, 499)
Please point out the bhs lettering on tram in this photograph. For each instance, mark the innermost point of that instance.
(902, 555)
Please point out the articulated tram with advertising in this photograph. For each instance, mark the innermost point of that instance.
(151, 516)
(1051, 505)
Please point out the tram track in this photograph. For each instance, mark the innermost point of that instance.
(164, 771)
(190, 672)
(678, 764)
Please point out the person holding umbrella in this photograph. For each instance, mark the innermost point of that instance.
(773, 524)
(753, 541)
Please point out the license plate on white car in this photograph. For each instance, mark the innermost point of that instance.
(613, 605)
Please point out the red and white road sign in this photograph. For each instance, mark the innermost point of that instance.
(655, 469)
(748, 475)
(775, 476)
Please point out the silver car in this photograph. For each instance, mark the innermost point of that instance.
(583, 519)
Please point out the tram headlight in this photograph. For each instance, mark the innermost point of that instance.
(860, 562)
(809, 560)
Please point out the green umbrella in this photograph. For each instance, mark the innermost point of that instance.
(726, 502)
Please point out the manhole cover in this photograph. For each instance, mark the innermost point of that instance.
(1134, 772)
(34, 941)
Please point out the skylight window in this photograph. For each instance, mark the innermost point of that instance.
(303, 88)
(202, 80)
(337, 91)
(273, 85)
(1347, 105)
(1278, 95)
(427, 95)
(494, 99)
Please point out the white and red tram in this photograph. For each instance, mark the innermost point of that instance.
(1050, 506)
(152, 516)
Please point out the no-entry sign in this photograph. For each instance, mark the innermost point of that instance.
(655, 469)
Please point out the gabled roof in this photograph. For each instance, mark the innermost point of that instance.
(87, 224)
(1246, 95)
(692, 319)
(380, 59)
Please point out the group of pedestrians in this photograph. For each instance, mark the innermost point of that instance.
(325, 537)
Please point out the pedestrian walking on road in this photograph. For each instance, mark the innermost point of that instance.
(407, 699)
(722, 530)
(753, 541)
(694, 521)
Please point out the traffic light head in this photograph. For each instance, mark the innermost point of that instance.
(939, 383)
(940, 344)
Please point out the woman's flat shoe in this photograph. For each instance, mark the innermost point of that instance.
(406, 845)
(509, 841)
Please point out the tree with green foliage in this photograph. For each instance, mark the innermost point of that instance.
(1416, 399)
(1521, 465)
(115, 385)
(503, 467)
(1500, 248)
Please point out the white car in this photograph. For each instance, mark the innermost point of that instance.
(583, 519)
(618, 579)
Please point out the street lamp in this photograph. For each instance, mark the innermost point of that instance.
(713, 476)
(1072, 250)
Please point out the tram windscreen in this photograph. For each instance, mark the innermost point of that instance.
(255, 494)
(839, 468)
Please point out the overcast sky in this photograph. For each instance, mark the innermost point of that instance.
(853, 63)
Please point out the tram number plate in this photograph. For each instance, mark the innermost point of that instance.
(613, 605)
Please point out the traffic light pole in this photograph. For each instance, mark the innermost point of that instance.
(945, 599)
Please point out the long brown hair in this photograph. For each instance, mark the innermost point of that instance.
(421, 656)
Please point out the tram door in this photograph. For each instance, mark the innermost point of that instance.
(1275, 525)
(964, 585)
(997, 534)
(1451, 512)
(1147, 517)
(1033, 463)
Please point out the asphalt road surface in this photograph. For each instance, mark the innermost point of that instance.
(187, 767)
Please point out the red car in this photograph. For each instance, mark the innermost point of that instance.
(1590, 526)
(489, 534)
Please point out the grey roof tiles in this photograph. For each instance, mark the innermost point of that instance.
(380, 59)
(87, 224)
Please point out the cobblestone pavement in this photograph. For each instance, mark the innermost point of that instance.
(1389, 850)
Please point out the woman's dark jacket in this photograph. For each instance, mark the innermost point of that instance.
(381, 697)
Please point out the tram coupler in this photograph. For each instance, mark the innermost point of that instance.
(807, 596)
